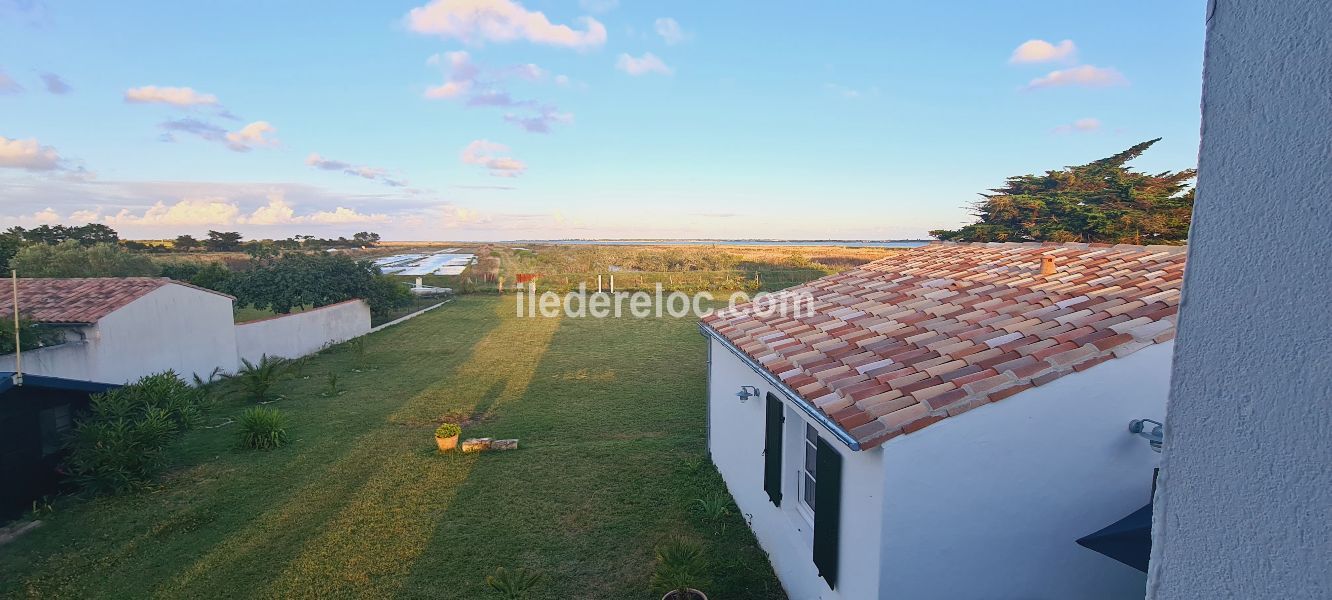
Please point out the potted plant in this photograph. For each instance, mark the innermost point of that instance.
(680, 567)
(446, 436)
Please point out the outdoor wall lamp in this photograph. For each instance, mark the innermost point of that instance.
(1154, 436)
(746, 392)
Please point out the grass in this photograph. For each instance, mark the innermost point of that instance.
(359, 503)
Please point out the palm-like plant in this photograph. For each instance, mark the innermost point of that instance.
(257, 379)
(680, 567)
(513, 585)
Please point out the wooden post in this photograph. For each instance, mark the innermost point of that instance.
(612, 284)
(501, 284)
(598, 284)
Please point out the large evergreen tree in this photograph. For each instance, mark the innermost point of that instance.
(1101, 201)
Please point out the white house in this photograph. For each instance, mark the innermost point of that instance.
(912, 433)
(117, 330)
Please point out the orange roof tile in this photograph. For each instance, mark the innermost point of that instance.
(903, 342)
(78, 300)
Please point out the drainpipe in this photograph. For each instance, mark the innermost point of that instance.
(18, 346)
(809, 409)
(707, 414)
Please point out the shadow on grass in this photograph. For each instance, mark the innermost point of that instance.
(611, 459)
(369, 544)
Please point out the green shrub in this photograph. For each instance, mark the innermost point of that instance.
(513, 585)
(447, 430)
(72, 259)
(263, 428)
(119, 444)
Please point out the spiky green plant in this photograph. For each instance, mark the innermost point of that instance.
(257, 379)
(331, 387)
(714, 508)
(263, 428)
(680, 567)
(513, 585)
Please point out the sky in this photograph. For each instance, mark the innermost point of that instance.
(506, 120)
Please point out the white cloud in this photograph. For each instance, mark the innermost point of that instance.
(175, 96)
(371, 173)
(250, 136)
(476, 21)
(216, 212)
(1087, 125)
(276, 212)
(598, 6)
(28, 155)
(342, 215)
(648, 63)
(462, 75)
(486, 153)
(188, 212)
(669, 30)
(540, 121)
(1039, 51)
(8, 85)
(562, 80)
(1084, 75)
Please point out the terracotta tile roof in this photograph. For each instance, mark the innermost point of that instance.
(77, 300)
(917, 337)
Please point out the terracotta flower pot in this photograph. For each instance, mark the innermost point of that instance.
(693, 595)
(446, 444)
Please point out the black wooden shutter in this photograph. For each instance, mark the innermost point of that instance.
(772, 450)
(828, 514)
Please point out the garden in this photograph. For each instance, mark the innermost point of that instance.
(322, 477)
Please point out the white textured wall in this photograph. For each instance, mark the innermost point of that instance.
(988, 505)
(1244, 507)
(736, 441)
(299, 334)
(173, 327)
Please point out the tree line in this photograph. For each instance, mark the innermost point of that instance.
(280, 275)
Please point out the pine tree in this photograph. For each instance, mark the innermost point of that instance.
(1101, 201)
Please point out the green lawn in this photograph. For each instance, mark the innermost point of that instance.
(610, 414)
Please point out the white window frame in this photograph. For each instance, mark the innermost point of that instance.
(806, 480)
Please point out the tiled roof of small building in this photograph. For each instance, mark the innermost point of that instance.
(77, 300)
(906, 341)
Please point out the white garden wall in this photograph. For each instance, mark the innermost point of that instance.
(988, 504)
(736, 440)
(299, 334)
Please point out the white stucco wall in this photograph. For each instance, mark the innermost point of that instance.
(299, 334)
(987, 504)
(1244, 504)
(173, 327)
(736, 440)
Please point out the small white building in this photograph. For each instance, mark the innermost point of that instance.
(946, 422)
(117, 330)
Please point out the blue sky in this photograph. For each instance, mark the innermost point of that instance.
(497, 119)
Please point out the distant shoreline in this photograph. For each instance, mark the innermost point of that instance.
(725, 242)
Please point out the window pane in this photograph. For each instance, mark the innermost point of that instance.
(809, 492)
(811, 464)
(811, 434)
